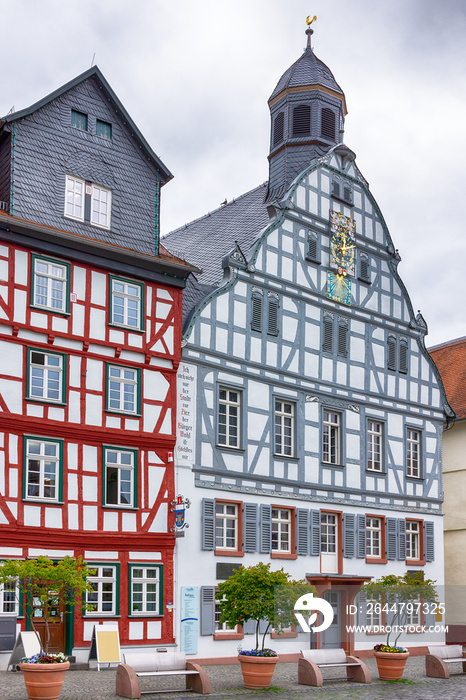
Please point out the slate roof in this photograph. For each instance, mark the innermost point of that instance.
(206, 241)
(450, 359)
(307, 70)
(96, 72)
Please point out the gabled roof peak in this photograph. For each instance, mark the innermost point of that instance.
(95, 72)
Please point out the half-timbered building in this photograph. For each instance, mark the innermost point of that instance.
(90, 331)
(310, 413)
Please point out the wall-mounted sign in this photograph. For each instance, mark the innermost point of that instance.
(185, 414)
(189, 619)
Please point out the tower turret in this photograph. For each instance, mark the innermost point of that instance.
(307, 110)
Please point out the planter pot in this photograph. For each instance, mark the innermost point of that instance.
(390, 665)
(44, 681)
(257, 670)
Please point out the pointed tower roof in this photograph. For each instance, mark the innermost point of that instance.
(308, 73)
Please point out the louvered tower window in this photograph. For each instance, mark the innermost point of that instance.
(364, 268)
(327, 129)
(335, 189)
(302, 120)
(312, 248)
(256, 316)
(278, 128)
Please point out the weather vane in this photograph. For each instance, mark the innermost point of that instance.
(309, 21)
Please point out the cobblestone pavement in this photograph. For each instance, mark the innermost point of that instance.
(227, 684)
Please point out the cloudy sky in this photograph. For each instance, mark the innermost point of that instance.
(196, 76)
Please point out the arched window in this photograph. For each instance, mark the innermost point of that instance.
(327, 128)
(302, 120)
(278, 127)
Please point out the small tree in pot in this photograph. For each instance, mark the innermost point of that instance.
(37, 583)
(402, 596)
(259, 594)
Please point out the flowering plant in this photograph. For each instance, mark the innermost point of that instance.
(43, 658)
(389, 649)
(258, 652)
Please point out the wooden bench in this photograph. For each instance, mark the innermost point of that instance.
(313, 660)
(172, 663)
(438, 658)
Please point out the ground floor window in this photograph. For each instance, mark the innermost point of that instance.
(104, 597)
(146, 589)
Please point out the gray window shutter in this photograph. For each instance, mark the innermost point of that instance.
(249, 627)
(207, 610)
(208, 523)
(265, 528)
(401, 539)
(391, 538)
(256, 320)
(403, 356)
(272, 324)
(364, 268)
(250, 523)
(342, 339)
(335, 189)
(429, 540)
(348, 534)
(347, 195)
(311, 247)
(361, 602)
(391, 348)
(302, 531)
(361, 551)
(327, 344)
(315, 533)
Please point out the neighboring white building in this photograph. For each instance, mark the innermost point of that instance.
(310, 414)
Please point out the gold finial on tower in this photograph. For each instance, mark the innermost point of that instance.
(309, 31)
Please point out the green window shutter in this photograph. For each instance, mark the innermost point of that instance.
(342, 339)
(403, 356)
(272, 321)
(256, 319)
(391, 349)
(327, 344)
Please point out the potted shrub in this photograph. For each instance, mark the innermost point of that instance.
(259, 594)
(39, 580)
(398, 595)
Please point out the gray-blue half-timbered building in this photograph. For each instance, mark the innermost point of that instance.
(309, 412)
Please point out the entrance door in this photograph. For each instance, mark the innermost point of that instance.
(55, 612)
(331, 637)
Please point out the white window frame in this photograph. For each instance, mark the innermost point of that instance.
(229, 417)
(101, 206)
(374, 616)
(413, 453)
(328, 533)
(126, 297)
(76, 190)
(120, 467)
(373, 537)
(226, 526)
(46, 370)
(12, 605)
(123, 386)
(52, 280)
(413, 540)
(331, 438)
(144, 582)
(374, 445)
(43, 459)
(98, 580)
(281, 530)
(284, 428)
(221, 627)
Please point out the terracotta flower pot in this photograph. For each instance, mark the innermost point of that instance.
(257, 670)
(44, 681)
(391, 665)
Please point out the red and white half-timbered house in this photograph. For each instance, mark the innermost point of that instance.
(90, 341)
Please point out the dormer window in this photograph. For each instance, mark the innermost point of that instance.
(278, 128)
(78, 120)
(86, 201)
(302, 120)
(327, 128)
